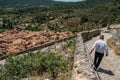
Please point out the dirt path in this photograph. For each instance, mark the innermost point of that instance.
(109, 68)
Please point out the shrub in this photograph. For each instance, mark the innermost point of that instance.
(69, 43)
(116, 50)
(22, 67)
(112, 44)
(36, 28)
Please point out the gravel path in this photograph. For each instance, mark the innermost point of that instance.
(109, 68)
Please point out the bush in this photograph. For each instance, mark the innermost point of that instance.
(39, 62)
(69, 43)
(54, 28)
(36, 28)
(116, 50)
(112, 44)
(2, 30)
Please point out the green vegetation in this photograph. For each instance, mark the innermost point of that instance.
(40, 64)
(69, 43)
(25, 2)
(35, 28)
(74, 17)
(22, 67)
(7, 24)
(2, 30)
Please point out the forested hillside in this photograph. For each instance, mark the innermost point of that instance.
(25, 2)
(84, 3)
(74, 17)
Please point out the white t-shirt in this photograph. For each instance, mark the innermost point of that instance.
(100, 46)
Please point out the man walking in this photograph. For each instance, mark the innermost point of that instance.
(100, 47)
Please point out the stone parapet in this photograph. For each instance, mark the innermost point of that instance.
(87, 35)
(82, 63)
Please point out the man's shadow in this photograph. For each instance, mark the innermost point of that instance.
(109, 72)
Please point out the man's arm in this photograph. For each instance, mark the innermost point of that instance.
(91, 52)
(93, 47)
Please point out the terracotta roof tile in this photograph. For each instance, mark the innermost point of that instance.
(15, 41)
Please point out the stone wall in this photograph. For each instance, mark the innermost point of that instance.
(39, 47)
(87, 35)
(82, 63)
